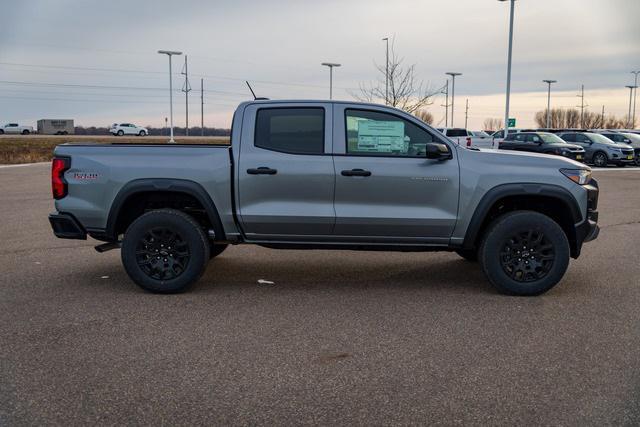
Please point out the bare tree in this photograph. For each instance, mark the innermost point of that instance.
(492, 124)
(405, 91)
(570, 118)
(425, 116)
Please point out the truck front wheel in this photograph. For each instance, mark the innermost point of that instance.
(524, 253)
(165, 251)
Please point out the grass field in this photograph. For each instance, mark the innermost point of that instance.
(16, 149)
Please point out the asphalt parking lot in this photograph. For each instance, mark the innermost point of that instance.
(364, 338)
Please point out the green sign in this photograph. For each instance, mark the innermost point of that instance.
(512, 122)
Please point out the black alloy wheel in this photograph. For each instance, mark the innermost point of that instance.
(162, 254)
(527, 256)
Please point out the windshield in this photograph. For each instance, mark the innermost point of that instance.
(481, 133)
(633, 137)
(596, 137)
(549, 138)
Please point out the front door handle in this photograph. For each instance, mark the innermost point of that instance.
(262, 170)
(356, 172)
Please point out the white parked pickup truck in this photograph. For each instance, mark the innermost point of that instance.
(15, 128)
(468, 138)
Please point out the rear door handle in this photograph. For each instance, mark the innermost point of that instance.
(262, 170)
(356, 172)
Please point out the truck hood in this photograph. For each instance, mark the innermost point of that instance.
(525, 158)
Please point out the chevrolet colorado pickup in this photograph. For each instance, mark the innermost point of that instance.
(325, 175)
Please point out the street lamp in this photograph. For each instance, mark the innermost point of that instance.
(170, 53)
(386, 74)
(330, 65)
(506, 110)
(635, 95)
(549, 101)
(453, 91)
(631, 88)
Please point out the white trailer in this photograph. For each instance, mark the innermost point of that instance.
(56, 127)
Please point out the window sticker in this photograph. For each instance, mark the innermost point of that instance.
(381, 136)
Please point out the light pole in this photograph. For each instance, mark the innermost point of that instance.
(635, 95)
(631, 88)
(386, 74)
(453, 91)
(170, 53)
(549, 101)
(330, 65)
(506, 110)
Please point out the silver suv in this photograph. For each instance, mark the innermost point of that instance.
(599, 149)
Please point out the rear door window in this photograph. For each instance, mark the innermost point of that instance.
(290, 130)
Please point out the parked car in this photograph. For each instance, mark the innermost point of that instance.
(325, 175)
(599, 149)
(634, 141)
(467, 138)
(15, 128)
(542, 142)
(127, 129)
(498, 136)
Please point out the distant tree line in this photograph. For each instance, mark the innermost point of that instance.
(492, 124)
(178, 131)
(570, 118)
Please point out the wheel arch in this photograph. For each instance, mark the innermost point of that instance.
(142, 190)
(551, 200)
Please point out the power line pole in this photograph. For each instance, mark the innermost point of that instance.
(201, 106)
(631, 88)
(186, 88)
(170, 53)
(446, 104)
(549, 101)
(453, 91)
(466, 114)
(582, 106)
(386, 75)
(602, 119)
(635, 95)
(510, 49)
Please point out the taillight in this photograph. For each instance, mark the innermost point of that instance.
(468, 142)
(58, 183)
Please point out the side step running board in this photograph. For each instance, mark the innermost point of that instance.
(108, 246)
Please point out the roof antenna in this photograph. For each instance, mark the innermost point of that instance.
(255, 98)
(252, 92)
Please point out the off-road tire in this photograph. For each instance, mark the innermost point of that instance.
(498, 245)
(137, 246)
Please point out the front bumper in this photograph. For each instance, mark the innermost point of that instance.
(588, 229)
(65, 226)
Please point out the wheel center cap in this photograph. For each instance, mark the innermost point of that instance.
(163, 252)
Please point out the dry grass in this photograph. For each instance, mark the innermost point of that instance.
(16, 149)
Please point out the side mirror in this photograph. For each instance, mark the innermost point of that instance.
(435, 150)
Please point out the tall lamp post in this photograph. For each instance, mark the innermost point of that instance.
(386, 74)
(330, 65)
(631, 88)
(170, 53)
(506, 110)
(635, 95)
(453, 91)
(549, 101)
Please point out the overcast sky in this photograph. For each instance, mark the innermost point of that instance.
(95, 60)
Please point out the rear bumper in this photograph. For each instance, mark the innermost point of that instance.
(65, 226)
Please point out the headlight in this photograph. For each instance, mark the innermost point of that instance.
(579, 176)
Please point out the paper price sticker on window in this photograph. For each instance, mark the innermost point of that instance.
(381, 137)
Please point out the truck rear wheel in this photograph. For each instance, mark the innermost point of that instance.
(165, 251)
(25, 132)
(524, 253)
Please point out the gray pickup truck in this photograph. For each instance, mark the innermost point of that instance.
(325, 175)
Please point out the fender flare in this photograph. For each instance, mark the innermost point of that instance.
(146, 185)
(517, 189)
